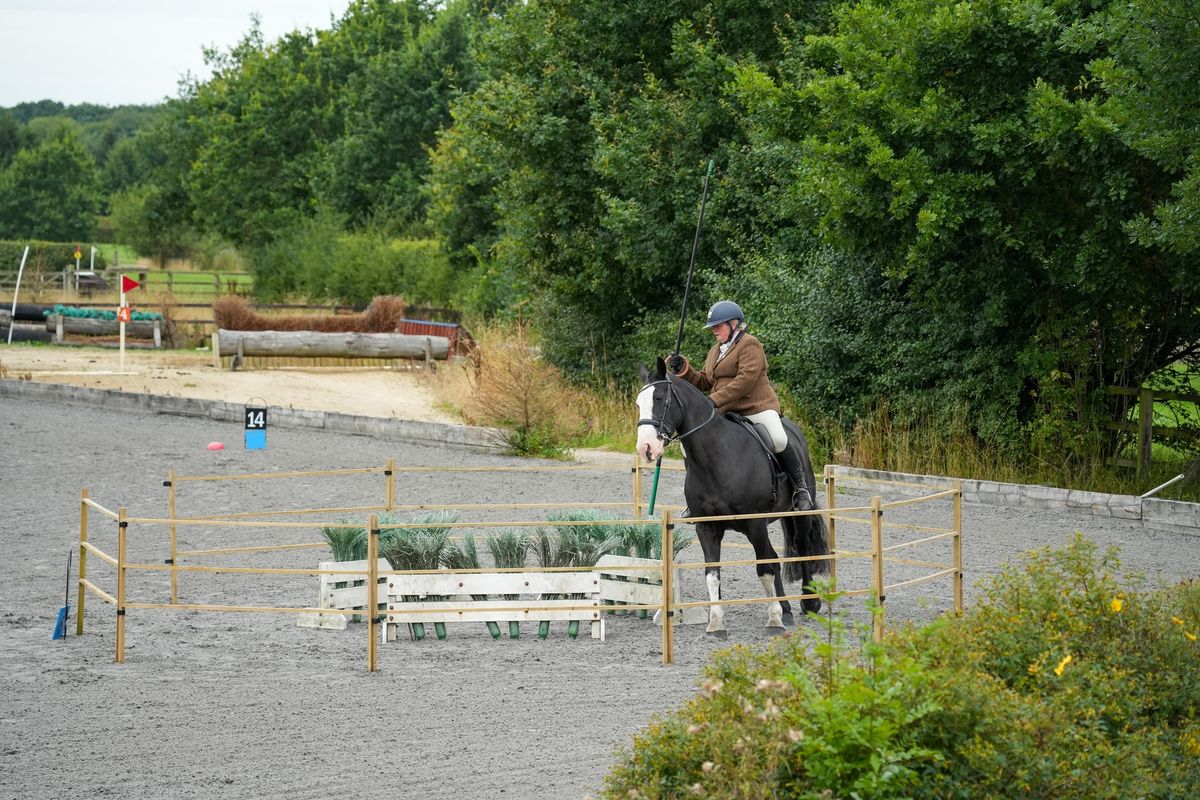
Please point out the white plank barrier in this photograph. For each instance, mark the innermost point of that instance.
(457, 590)
(542, 596)
(643, 587)
(350, 596)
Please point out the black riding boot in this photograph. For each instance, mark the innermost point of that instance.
(790, 459)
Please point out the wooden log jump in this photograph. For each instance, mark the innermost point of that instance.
(59, 325)
(311, 344)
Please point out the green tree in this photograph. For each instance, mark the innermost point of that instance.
(966, 153)
(148, 175)
(259, 120)
(576, 166)
(50, 191)
(13, 137)
(396, 99)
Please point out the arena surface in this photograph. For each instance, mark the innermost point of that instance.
(229, 705)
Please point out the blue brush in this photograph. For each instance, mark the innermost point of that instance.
(60, 624)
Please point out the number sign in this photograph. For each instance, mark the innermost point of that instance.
(256, 427)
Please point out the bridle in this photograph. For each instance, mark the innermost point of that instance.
(660, 423)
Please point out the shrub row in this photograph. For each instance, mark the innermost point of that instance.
(234, 313)
(1064, 681)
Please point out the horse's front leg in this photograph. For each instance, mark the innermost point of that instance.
(768, 574)
(710, 542)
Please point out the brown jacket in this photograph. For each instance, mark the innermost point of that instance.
(738, 382)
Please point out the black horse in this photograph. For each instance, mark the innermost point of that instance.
(730, 472)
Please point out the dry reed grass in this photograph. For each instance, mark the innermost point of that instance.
(506, 384)
(235, 313)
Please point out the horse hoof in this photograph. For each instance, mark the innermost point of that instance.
(722, 635)
(787, 618)
(812, 606)
(776, 631)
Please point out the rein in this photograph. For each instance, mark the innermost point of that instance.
(658, 423)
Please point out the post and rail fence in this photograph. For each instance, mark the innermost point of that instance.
(880, 552)
(1144, 428)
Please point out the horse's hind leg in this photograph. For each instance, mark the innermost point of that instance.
(812, 604)
(785, 606)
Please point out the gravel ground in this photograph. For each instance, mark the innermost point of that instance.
(224, 705)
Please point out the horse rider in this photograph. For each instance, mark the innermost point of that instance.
(735, 376)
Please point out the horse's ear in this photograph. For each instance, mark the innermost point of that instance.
(660, 369)
(645, 373)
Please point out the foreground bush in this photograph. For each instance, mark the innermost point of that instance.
(1067, 680)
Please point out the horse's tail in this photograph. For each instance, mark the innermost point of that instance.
(805, 536)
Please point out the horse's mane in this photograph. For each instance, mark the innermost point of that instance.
(687, 386)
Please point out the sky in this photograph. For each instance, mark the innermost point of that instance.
(130, 51)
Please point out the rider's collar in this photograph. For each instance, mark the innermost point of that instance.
(733, 339)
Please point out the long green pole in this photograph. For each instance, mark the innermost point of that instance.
(654, 486)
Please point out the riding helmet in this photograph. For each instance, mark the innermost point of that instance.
(724, 311)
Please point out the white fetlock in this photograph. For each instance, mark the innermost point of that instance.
(774, 610)
(716, 614)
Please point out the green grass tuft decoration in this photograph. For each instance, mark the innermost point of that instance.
(347, 541)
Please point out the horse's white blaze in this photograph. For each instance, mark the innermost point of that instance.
(648, 443)
(716, 614)
(774, 610)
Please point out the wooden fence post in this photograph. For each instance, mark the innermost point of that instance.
(122, 526)
(831, 504)
(668, 568)
(170, 484)
(958, 533)
(1145, 429)
(83, 533)
(637, 488)
(390, 472)
(877, 563)
(372, 588)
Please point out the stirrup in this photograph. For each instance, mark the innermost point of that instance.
(802, 500)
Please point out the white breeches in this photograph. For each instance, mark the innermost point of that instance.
(774, 425)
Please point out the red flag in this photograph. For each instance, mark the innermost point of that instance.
(128, 284)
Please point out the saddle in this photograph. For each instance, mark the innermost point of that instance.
(763, 437)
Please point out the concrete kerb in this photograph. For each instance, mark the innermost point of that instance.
(462, 437)
(1168, 514)
(1171, 515)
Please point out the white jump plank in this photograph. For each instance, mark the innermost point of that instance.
(626, 592)
(518, 583)
(497, 611)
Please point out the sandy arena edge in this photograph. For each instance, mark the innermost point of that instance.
(463, 437)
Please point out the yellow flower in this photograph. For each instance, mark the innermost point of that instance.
(1116, 605)
(1177, 620)
(1062, 665)
(1191, 636)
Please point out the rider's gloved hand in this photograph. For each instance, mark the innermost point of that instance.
(677, 364)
